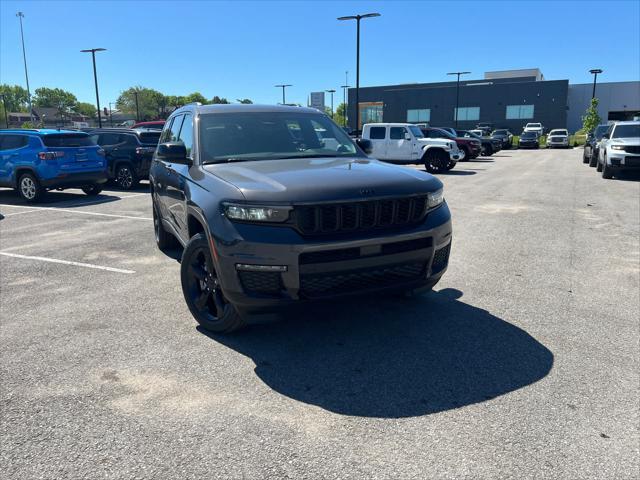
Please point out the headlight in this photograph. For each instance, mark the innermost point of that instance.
(435, 198)
(617, 147)
(254, 213)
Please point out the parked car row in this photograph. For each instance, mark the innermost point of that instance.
(614, 148)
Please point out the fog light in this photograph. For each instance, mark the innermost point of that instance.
(245, 267)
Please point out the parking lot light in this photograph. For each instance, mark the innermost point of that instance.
(457, 92)
(283, 86)
(357, 18)
(331, 92)
(595, 72)
(95, 78)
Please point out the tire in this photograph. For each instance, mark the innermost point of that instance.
(585, 159)
(29, 188)
(436, 161)
(467, 154)
(598, 166)
(126, 177)
(607, 171)
(593, 160)
(164, 239)
(202, 291)
(488, 151)
(92, 190)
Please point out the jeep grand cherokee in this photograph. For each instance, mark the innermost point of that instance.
(275, 205)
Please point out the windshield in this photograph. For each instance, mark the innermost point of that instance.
(68, 140)
(500, 132)
(528, 135)
(559, 132)
(626, 131)
(416, 131)
(533, 125)
(226, 137)
(601, 130)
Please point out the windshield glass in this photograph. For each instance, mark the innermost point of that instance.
(68, 140)
(500, 132)
(533, 125)
(528, 135)
(271, 135)
(559, 132)
(150, 137)
(601, 130)
(626, 131)
(416, 131)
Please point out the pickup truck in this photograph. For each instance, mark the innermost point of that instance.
(534, 127)
(405, 143)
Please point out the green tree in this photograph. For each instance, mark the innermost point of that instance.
(217, 100)
(54, 97)
(196, 97)
(591, 119)
(245, 101)
(86, 109)
(15, 97)
(340, 114)
(151, 103)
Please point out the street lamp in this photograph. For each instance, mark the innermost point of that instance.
(283, 86)
(457, 92)
(110, 113)
(95, 78)
(344, 101)
(20, 15)
(357, 18)
(331, 92)
(595, 73)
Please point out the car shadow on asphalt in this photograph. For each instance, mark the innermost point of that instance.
(481, 160)
(392, 358)
(458, 172)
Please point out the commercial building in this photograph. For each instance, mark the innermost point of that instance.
(506, 99)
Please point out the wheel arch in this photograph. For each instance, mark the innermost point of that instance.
(20, 170)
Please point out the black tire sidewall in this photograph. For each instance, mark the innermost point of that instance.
(39, 189)
(134, 178)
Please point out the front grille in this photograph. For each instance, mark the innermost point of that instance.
(440, 259)
(342, 254)
(632, 148)
(632, 161)
(261, 283)
(358, 216)
(318, 285)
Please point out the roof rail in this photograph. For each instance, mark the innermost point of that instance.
(198, 104)
(21, 129)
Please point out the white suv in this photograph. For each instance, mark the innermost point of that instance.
(558, 137)
(534, 127)
(619, 149)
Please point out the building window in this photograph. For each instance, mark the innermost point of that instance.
(370, 112)
(467, 113)
(419, 115)
(519, 111)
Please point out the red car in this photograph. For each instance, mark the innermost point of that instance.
(153, 124)
(470, 146)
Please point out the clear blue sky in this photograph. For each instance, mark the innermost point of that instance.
(241, 49)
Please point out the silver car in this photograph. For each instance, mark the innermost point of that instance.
(558, 137)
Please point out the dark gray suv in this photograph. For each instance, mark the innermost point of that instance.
(275, 205)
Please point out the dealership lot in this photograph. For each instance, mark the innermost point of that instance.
(524, 363)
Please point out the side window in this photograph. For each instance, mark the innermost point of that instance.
(175, 129)
(166, 132)
(11, 142)
(397, 133)
(377, 133)
(186, 133)
(109, 139)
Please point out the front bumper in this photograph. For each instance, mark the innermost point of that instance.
(75, 180)
(318, 269)
(622, 161)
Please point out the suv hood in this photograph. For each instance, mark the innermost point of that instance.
(625, 141)
(322, 179)
(436, 141)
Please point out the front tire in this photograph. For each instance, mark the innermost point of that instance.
(585, 159)
(593, 160)
(607, 171)
(202, 291)
(29, 188)
(436, 161)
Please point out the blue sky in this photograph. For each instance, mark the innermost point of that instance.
(241, 49)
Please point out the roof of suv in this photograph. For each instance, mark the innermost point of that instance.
(39, 131)
(237, 108)
(629, 122)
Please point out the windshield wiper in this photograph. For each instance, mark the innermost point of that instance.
(313, 155)
(228, 160)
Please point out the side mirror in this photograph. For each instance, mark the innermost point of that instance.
(365, 145)
(605, 136)
(407, 137)
(174, 152)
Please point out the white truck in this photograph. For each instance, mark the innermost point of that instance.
(405, 143)
(534, 127)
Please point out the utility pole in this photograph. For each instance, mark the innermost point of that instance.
(135, 94)
(457, 93)
(110, 114)
(95, 78)
(357, 18)
(331, 92)
(20, 15)
(595, 73)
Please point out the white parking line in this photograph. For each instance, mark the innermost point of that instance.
(54, 209)
(66, 262)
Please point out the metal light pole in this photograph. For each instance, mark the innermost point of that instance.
(357, 18)
(457, 92)
(344, 100)
(331, 92)
(95, 78)
(283, 86)
(4, 105)
(20, 15)
(595, 73)
(135, 94)
(110, 113)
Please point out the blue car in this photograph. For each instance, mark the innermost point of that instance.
(34, 161)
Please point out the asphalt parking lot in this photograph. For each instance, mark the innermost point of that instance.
(524, 363)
